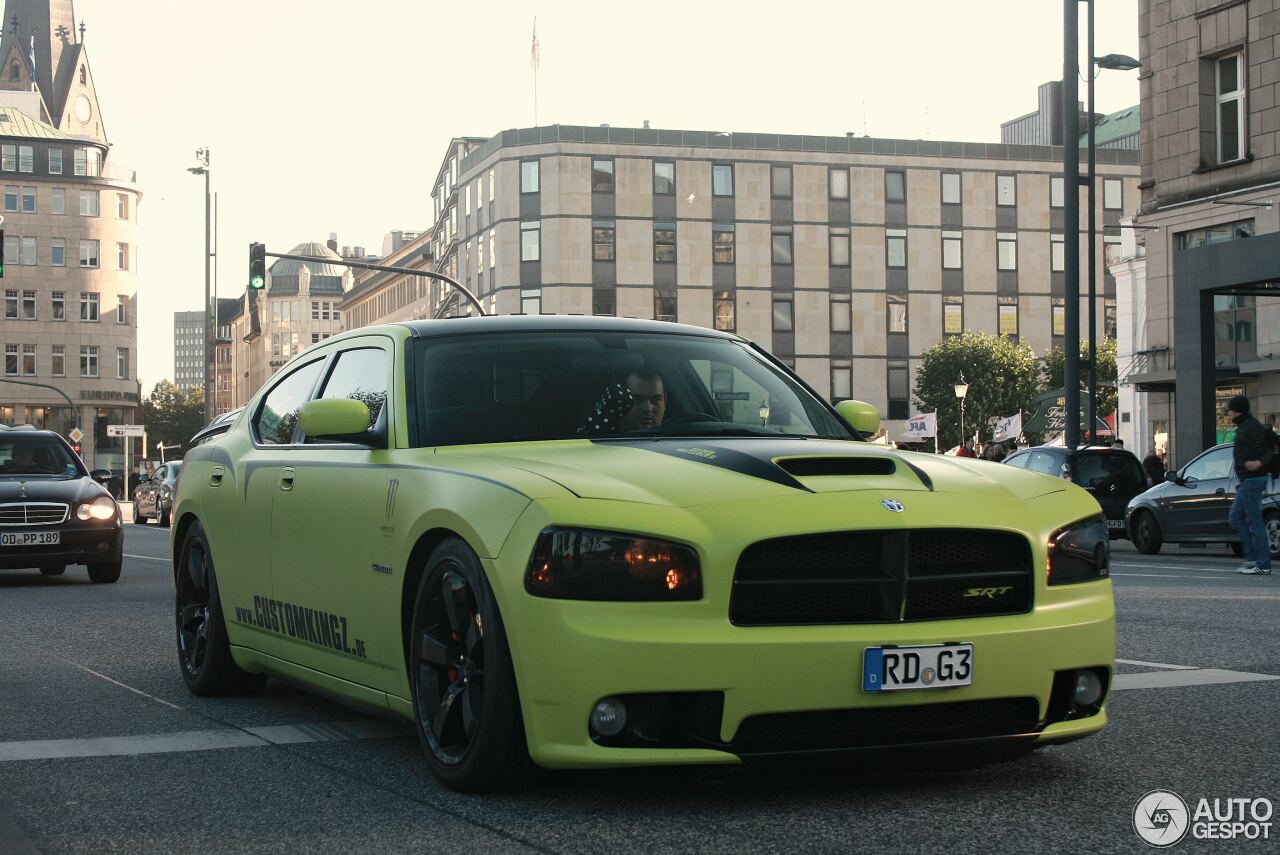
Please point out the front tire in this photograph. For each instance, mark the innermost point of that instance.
(1271, 524)
(204, 653)
(106, 573)
(466, 707)
(53, 569)
(1146, 533)
(162, 516)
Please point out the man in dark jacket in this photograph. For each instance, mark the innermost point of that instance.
(1153, 465)
(1251, 454)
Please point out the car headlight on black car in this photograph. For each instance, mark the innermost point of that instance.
(583, 564)
(1080, 552)
(101, 508)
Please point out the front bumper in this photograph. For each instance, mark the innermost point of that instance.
(87, 544)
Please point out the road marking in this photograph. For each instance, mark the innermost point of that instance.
(1169, 576)
(200, 740)
(146, 558)
(1192, 677)
(118, 683)
(1158, 665)
(1139, 566)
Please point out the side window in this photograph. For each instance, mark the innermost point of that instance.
(360, 374)
(1215, 464)
(1043, 461)
(1018, 460)
(278, 417)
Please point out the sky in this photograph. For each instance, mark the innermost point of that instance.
(325, 116)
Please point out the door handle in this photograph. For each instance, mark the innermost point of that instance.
(215, 478)
(286, 479)
(1221, 491)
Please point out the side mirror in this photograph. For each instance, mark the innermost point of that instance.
(1173, 477)
(343, 419)
(862, 417)
(102, 476)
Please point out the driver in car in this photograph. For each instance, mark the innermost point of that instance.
(636, 404)
(23, 460)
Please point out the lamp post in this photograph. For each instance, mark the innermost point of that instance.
(962, 390)
(764, 412)
(202, 156)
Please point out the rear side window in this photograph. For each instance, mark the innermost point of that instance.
(1120, 470)
(361, 375)
(278, 419)
(1043, 461)
(1018, 460)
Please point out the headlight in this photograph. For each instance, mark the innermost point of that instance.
(101, 508)
(580, 564)
(1080, 552)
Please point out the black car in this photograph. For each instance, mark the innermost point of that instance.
(153, 498)
(1112, 475)
(53, 511)
(1192, 506)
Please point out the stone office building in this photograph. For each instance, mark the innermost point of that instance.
(847, 256)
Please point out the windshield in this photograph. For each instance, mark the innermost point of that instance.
(26, 456)
(600, 385)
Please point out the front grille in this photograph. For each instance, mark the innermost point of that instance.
(882, 577)
(809, 467)
(32, 513)
(886, 726)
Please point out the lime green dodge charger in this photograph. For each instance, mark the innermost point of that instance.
(582, 542)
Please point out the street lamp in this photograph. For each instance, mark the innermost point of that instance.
(202, 157)
(962, 390)
(764, 412)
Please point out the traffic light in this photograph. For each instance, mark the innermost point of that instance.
(257, 266)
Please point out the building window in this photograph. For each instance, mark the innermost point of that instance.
(1112, 249)
(664, 242)
(725, 311)
(783, 316)
(952, 251)
(841, 380)
(28, 251)
(55, 161)
(59, 360)
(28, 305)
(722, 243)
(722, 179)
(1222, 233)
(122, 206)
(664, 304)
(895, 246)
(58, 200)
(952, 314)
(780, 182)
(11, 359)
(951, 188)
(782, 245)
(602, 241)
(11, 304)
(664, 178)
(529, 176)
(1109, 318)
(59, 305)
(275, 344)
(1006, 251)
(28, 200)
(601, 176)
(897, 313)
(604, 302)
(1059, 316)
(1008, 316)
(1057, 192)
(531, 301)
(466, 203)
(8, 158)
(1057, 253)
(88, 306)
(492, 177)
(1112, 194)
(899, 391)
(895, 187)
(1006, 191)
(841, 318)
(88, 203)
(493, 258)
(84, 76)
(122, 363)
(315, 310)
(10, 198)
(58, 252)
(1229, 98)
(89, 360)
(838, 182)
(26, 159)
(80, 161)
(838, 247)
(530, 241)
(122, 309)
(122, 256)
(88, 253)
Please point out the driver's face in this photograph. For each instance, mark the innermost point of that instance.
(650, 403)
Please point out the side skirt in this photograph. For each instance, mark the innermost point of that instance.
(353, 695)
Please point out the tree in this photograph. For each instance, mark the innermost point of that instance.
(172, 416)
(1107, 393)
(1002, 375)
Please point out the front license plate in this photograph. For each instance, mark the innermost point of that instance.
(29, 538)
(937, 666)
(1116, 524)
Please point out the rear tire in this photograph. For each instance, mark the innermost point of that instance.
(1146, 533)
(162, 517)
(1271, 524)
(53, 569)
(204, 653)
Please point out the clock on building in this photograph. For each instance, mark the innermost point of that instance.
(83, 110)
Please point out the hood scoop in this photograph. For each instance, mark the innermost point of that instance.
(814, 467)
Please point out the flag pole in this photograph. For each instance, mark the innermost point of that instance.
(935, 432)
(534, 61)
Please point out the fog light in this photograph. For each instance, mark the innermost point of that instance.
(1088, 689)
(609, 717)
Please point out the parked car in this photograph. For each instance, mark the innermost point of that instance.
(1112, 475)
(217, 427)
(53, 511)
(1192, 506)
(153, 499)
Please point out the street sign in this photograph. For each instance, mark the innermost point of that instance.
(76, 434)
(126, 430)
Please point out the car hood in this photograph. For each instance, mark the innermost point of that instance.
(688, 472)
(17, 489)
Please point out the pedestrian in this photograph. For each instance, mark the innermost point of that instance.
(966, 450)
(1153, 465)
(1251, 454)
(995, 452)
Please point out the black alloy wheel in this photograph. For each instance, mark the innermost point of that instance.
(1271, 524)
(450, 665)
(1146, 533)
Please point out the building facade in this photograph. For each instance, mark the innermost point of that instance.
(1209, 325)
(70, 225)
(188, 350)
(848, 257)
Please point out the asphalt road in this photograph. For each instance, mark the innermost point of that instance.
(91, 669)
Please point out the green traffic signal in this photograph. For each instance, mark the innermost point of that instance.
(257, 266)
(256, 282)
